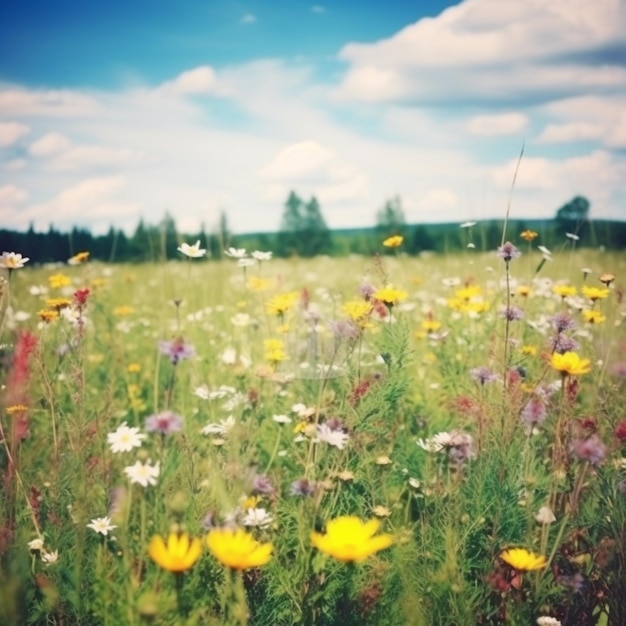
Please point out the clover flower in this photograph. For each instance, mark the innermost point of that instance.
(351, 540)
(179, 554)
(237, 549)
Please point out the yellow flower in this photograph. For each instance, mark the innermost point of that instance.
(431, 326)
(98, 282)
(48, 315)
(570, 364)
(595, 293)
(123, 310)
(593, 317)
(528, 235)
(178, 555)
(394, 241)
(238, 549)
(133, 368)
(58, 303)
(390, 296)
(350, 540)
(274, 350)
(565, 291)
(255, 283)
(529, 350)
(357, 310)
(281, 303)
(468, 292)
(523, 290)
(77, 259)
(523, 560)
(59, 280)
(606, 278)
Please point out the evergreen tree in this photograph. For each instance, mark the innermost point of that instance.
(390, 219)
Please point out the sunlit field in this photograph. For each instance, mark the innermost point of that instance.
(384, 440)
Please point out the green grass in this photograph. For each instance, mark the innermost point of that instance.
(389, 383)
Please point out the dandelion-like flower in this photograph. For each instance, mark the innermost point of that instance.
(508, 252)
(395, 241)
(125, 438)
(78, 259)
(101, 525)
(528, 235)
(351, 540)
(143, 474)
(237, 549)
(564, 291)
(281, 303)
(592, 316)
(12, 260)
(178, 554)
(570, 364)
(194, 251)
(606, 278)
(523, 560)
(595, 293)
(390, 296)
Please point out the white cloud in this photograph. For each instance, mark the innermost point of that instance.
(200, 80)
(49, 145)
(298, 162)
(497, 124)
(11, 195)
(318, 8)
(12, 132)
(482, 50)
(22, 102)
(248, 18)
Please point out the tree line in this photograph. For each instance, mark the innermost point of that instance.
(304, 232)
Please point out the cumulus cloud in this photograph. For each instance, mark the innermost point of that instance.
(49, 144)
(200, 80)
(21, 102)
(503, 50)
(10, 195)
(11, 133)
(498, 124)
(248, 18)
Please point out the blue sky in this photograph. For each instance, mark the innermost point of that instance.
(114, 111)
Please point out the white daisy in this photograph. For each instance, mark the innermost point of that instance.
(143, 474)
(101, 525)
(125, 438)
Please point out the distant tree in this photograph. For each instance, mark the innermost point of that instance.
(419, 240)
(573, 216)
(169, 236)
(390, 219)
(303, 229)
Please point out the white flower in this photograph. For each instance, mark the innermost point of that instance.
(336, 438)
(194, 251)
(545, 515)
(143, 474)
(261, 256)
(36, 545)
(415, 483)
(467, 224)
(101, 525)
(201, 392)
(546, 620)
(281, 419)
(241, 319)
(257, 517)
(436, 443)
(50, 558)
(302, 410)
(235, 253)
(246, 262)
(229, 356)
(547, 255)
(572, 236)
(219, 429)
(124, 439)
(12, 260)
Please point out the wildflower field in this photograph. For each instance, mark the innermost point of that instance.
(386, 440)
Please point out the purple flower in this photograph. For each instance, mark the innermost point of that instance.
(344, 329)
(563, 343)
(460, 447)
(562, 322)
(512, 313)
(302, 487)
(591, 449)
(534, 412)
(165, 423)
(366, 290)
(508, 252)
(335, 423)
(262, 485)
(176, 350)
(483, 375)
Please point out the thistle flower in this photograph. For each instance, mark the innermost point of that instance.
(176, 350)
(523, 560)
(534, 412)
(165, 423)
(562, 322)
(591, 449)
(508, 252)
(483, 375)
(179, 554)
(512, 313)
(237, 549)
(350, 540)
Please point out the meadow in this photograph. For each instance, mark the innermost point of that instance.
(367, 440)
